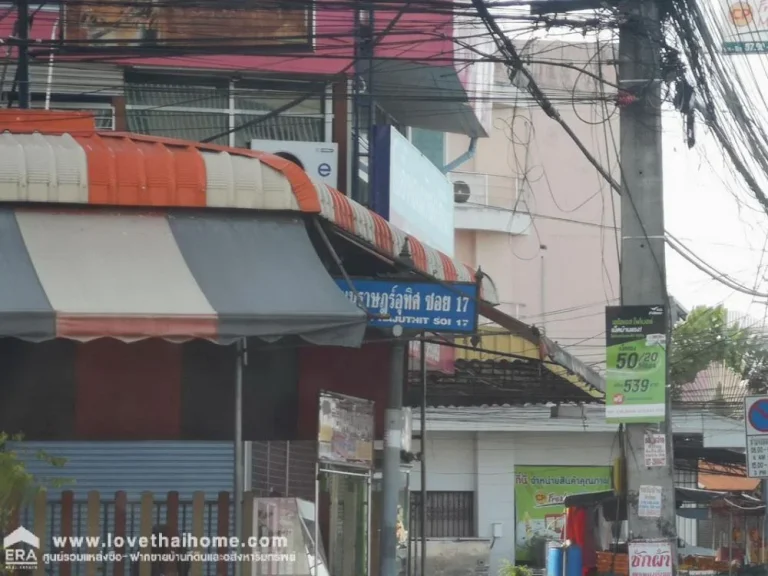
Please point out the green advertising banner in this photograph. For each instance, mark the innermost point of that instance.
(539, 495)
(636, 363)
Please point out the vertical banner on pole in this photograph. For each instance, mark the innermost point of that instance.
(636, 364)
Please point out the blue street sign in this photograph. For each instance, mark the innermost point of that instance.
(758, 415)
(417, 305)
(324, 169)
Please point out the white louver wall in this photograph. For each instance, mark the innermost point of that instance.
(71, 78)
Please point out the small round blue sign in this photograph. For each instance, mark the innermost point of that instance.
(324, 169)
(758, 415)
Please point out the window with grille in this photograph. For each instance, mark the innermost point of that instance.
(193, 109)
(449, 515)
(104, 115)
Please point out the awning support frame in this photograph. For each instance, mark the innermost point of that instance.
(337, 260)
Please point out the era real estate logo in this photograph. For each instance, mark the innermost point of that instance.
(20, 549)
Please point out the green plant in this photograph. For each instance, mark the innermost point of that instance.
(707, 336)
(509, 569)
(17, 486)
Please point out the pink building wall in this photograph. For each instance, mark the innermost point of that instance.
(425, 37)
(572, 211)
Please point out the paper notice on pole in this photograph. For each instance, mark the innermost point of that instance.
(655, 450)
(649, 501)
(757, 456)
(650, 559)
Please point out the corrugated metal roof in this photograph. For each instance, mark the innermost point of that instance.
(495, 352)
(557, 360)
(713, 477)
(119, 169)
(496, 342)
(569, 418)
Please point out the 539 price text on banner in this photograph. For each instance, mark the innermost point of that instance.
(636, 363)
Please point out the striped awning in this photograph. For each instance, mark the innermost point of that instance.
(177, 274)
(59, 157)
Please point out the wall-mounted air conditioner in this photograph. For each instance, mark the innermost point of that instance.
(318, 159)
(469, 187)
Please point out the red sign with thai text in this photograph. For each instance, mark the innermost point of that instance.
(650, 559)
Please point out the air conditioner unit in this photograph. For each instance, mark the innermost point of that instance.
(469, 187)
(318, 159)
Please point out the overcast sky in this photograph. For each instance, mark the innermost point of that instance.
(710, 209)
(707, 205)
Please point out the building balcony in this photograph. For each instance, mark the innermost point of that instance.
(490, 203)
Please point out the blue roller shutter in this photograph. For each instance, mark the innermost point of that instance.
(135, 467)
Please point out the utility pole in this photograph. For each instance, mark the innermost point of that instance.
(22, 73)
(643, 272)
(393, 442)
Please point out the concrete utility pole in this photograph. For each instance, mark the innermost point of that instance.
(393, 442)
(643, 271)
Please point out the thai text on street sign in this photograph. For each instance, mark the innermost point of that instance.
(655, 450)
(756, 425)
(421, 306)
(636, 364)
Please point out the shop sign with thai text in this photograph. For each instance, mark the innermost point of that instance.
(345, 430)
(636, 364)
(418, 306)
(742, 25)
(650, 558)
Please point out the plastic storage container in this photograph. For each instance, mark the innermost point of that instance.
(554, 559)
(574, 560)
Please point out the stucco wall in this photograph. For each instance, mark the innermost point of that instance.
(573, 236)
(485, 462)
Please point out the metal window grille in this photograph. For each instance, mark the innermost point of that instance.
(104, 114)
(199, 112)
(284, 467)
(449, 515)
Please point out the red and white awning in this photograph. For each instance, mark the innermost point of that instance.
(52, 163)
(176, 274)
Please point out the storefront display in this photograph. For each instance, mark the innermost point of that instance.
(540, 492)
(348, 524)
(344, 476)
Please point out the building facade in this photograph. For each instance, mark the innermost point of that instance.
(538, 216)
(474, 466)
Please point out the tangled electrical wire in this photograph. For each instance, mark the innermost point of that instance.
(717, 91)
